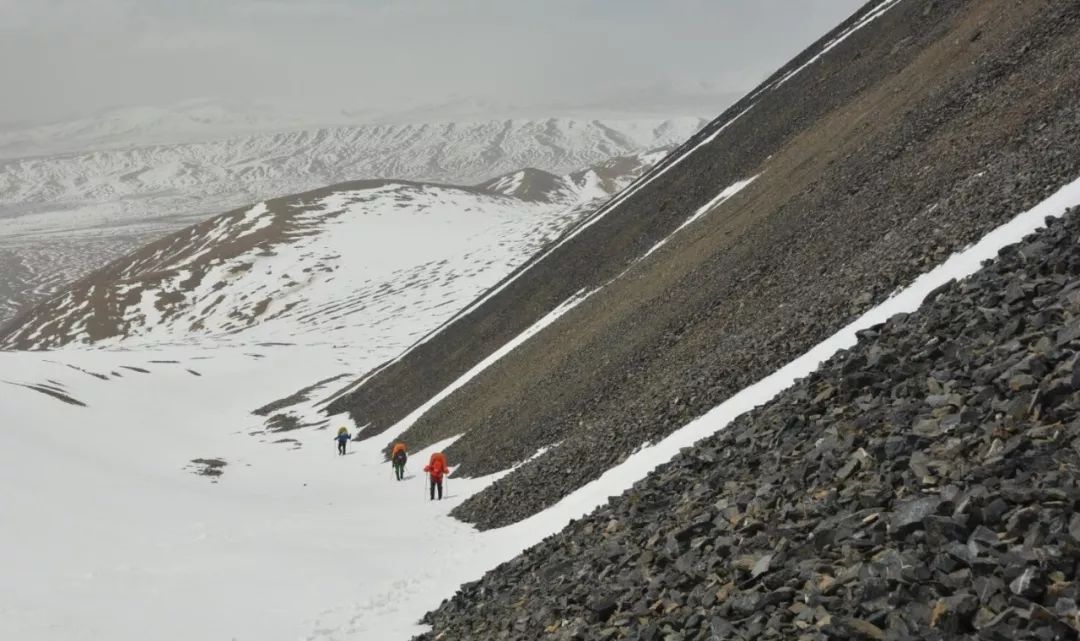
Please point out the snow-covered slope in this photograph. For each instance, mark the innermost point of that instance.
(353, 262)
(62, 214)
(599, 181)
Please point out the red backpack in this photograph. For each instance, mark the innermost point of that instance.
(437, 465)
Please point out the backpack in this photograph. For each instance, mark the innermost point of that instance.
(438, 462)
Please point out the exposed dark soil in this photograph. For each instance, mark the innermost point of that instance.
(96, 375)
(283, 422)
(58, 394)
(212, 467)
(295, 398)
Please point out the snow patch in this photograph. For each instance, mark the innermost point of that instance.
(491, 359)
(721, 197)
(871, 16)
(701, 211)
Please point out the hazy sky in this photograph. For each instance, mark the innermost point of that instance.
(64, 57)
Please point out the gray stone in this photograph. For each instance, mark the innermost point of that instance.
(909, 516)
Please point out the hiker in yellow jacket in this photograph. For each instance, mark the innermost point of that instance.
(342, 438)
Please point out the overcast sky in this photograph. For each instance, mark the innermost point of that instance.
(60, 58)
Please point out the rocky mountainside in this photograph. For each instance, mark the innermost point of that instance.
(64, 213)
(900, 137)
(923, 485)
(350, 263)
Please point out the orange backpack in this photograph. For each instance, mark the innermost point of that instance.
(438, 463)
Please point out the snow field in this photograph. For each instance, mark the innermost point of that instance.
(108, 533)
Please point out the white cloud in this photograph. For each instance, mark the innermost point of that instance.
(61, 56)
(186, 40)
(52, 17)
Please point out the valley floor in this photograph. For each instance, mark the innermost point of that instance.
(110, 532)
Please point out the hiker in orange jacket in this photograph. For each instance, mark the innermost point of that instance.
(398, 458)
(436, 469)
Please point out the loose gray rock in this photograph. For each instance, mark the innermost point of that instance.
(834, 518)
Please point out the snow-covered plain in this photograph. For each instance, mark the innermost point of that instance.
(108, 532)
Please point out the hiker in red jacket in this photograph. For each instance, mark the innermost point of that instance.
(436, 470)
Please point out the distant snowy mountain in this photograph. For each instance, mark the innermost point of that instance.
(188, 121)
(359, 262)
(67, 213)
(117, 162)
(201, 120)
(600, 180)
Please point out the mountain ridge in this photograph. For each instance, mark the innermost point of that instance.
(67, 214)
(204, 280)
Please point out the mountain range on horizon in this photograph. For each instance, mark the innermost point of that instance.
(69, 212)
(206, 119)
